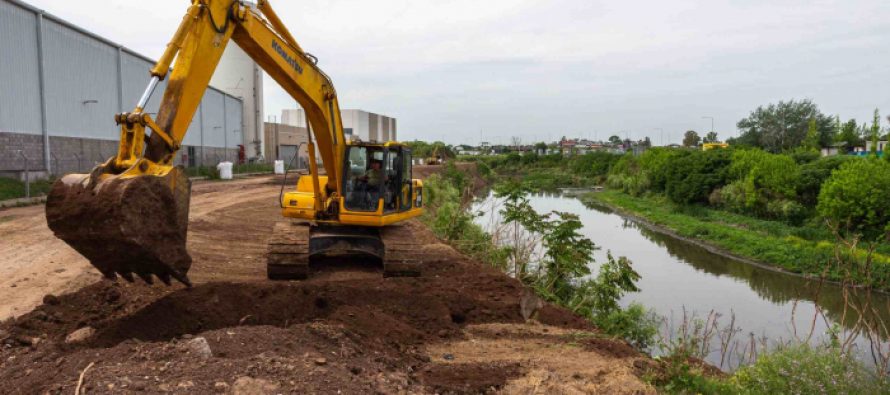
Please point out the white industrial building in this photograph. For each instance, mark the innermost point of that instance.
(364, 125)
(238, 75)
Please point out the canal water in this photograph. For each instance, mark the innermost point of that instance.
(680, 278)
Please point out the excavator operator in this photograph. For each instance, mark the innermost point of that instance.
(373, 176)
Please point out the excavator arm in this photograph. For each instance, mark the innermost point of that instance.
(130, 215)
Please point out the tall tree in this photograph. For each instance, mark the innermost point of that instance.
(875, 132)
(811, 142)
(711, 137)
(783, 126)
(691, 139)
(615, 140)
(850, 134)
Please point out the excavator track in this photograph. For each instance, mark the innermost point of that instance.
(295, 246)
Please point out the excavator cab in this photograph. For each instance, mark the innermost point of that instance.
(377, 191)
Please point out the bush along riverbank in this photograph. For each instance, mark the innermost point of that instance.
(561, 274)
(788, 211)
(802, 250)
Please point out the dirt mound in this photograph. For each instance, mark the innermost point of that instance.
(455, 329)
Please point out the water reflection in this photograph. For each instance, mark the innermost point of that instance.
(677, 274)
(771, 285)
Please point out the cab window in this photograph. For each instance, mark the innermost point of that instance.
(364, 180)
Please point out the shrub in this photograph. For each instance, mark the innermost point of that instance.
(855, 198)
(636, 324)
(654, 163)
(593, 164)
(690, 178)
(804, 369)
(767, 183)
(814, 174)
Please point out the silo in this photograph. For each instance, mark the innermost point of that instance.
(238, 75)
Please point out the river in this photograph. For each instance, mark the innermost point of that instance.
(678, 275)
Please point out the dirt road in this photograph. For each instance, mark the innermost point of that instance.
(455, 329)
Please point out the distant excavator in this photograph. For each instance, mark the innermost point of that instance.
(129, 215)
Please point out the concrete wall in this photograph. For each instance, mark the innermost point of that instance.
(59, 81)
(279, 135)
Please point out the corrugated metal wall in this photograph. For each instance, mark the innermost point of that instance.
(87, 79)
(19, 96)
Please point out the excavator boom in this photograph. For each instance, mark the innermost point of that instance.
(130, 214)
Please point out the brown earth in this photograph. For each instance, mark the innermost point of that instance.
(455, 329)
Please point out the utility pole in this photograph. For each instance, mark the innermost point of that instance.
(712, 121)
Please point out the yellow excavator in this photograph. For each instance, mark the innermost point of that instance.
(129, 215)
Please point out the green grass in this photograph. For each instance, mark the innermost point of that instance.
(13, 189)
(798, 249)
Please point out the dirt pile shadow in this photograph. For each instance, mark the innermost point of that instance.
(399, 310)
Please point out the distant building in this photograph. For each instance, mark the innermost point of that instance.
(882, 147)
(360, 124)
(834, 149)
(283, 142)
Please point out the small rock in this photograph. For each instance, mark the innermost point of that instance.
(220, 386)
(199, 347)
(138, 385)
(28, 341)
(250, 386)
(51, 299)
(13, 286)
(448, 357)
(355, 370)
(443, 333)
(80, 335)
(187, 336)
(321, 361)
(186, 384)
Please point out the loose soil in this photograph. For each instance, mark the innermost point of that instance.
(455, 329)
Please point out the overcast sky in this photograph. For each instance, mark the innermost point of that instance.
(466, 70)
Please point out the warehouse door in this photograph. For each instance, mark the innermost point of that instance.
(286, 153)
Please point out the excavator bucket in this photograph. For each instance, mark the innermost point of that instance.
(125, 224)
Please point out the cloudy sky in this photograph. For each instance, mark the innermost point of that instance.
(469, 70)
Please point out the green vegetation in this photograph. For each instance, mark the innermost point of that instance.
(855, 199)
(561, 275)
(14, 189)
(447, 215)
(423, 149)
(784, 126)
(803, 369)
(549, 172)
(798, 249)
